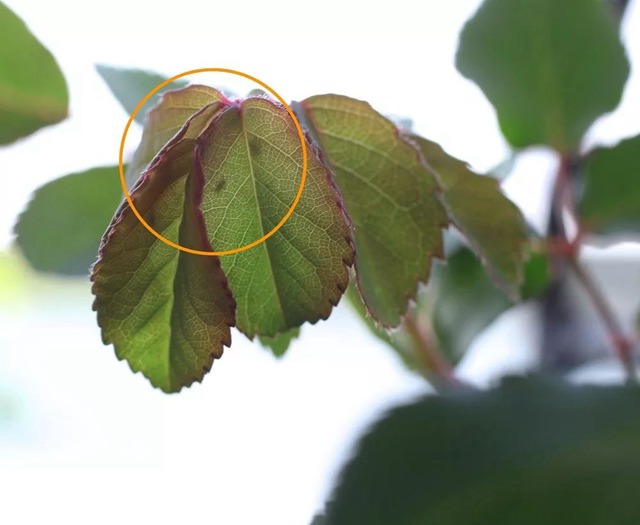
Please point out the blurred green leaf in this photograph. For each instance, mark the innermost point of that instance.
(130, 86)
(467, 303)
(492, 225)
(319, 520)
(529, 452)
(610, 201)
(167, 312)
(549, 67)
(279, 344)
(33, 92)
(60, 229)
(388, 194)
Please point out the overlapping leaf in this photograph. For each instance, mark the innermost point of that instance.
(529, 452)
(61, 228)
(167, 118)
(549, 67)
(251, 161)
(33, 92)
(130, 86)
(166, 312)
(610, 200)
(492, 225)
(389, 195)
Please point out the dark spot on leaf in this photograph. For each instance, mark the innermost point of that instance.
(255, 147)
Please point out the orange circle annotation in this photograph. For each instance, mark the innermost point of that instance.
(302, 178)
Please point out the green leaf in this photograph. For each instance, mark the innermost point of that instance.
(61, 227)
(318, 520)
(166, 312)
(251, 160)
(549, 67)
(492, 225)
(467, 303)
(33, 92)
(279, 344)
(529, 452)
(389, 195)
(165, 119)
(130, 86)
(610, 201)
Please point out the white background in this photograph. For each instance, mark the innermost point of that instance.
(82, 440)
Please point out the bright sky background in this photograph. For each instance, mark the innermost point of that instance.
(259, 441)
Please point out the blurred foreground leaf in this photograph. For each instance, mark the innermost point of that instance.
(33, 92)
(610, 201)
(549, 67)
(61, 228)
(528, 452)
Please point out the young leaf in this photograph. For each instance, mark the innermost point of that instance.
(33, 92)
(165, 119)
(528, 452)
(166, 312)
(61, 228)
(549, 67)
(389, 195)
(493, 226)
(130, 86)
(610, 200)
(251, 161)
(279, 344)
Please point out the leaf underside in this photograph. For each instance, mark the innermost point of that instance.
(252, 164)
(226, 178)
(166, 312)
(492, 225)
(390, 197)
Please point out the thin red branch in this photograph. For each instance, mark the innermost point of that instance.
(622, 344)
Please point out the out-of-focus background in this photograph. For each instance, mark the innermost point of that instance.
(82, 440)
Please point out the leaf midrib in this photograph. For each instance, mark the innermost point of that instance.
(258, 209)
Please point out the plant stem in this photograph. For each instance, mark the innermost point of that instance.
(563, 200)
(428, 353)
(621, 344)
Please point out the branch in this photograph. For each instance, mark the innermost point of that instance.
(429, 354)
(622, 345)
